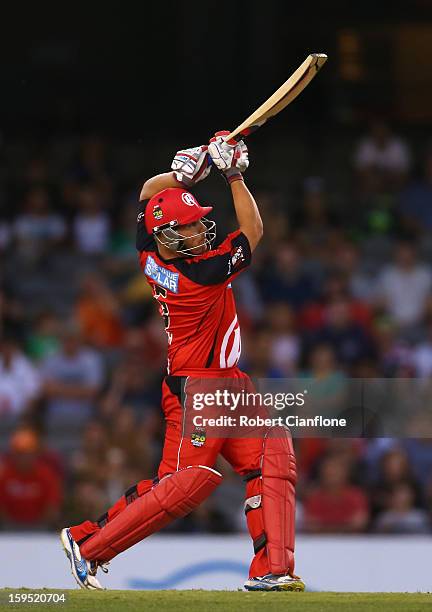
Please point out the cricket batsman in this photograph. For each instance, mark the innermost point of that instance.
(191, 282)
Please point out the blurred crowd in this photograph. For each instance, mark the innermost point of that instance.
(338, 289)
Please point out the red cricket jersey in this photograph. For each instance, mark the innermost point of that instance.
(196, 301)
(25, 496)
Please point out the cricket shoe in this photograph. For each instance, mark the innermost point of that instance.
(82, 570)
(273, 582)
(93, 567)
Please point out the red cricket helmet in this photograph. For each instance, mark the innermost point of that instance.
(172, 207)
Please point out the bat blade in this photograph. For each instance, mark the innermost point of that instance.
(281, 97)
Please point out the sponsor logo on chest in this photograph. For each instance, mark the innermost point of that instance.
(162, 276)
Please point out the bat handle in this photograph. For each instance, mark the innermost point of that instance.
(240, 135)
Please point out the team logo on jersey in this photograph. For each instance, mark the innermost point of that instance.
(198, 437)
(157, 212)
(188, 199)
(140, 217)
(162, 276)
(237, 256)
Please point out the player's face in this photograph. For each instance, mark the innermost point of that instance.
(196, 236)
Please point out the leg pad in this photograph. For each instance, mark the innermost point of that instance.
(173, 497)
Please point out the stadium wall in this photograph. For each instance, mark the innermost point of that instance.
(327, 563)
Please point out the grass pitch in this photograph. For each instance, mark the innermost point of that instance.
(214, 601)
(179, 601)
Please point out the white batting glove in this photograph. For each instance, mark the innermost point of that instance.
(191, 165)
(230, 159)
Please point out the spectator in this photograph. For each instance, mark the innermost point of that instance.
(118, 474)
(381, 159)
(349, 341)
(422, 355)
(393, 469)
(43, 338)
(257, 358)
(20, 381)
(89, 463)
(98, 313)
(100, 462)
(323, 365)
(93, 165)
(315, 225)
(13, 319)
(273, 209)
(285, 350)
(91, 226)
(134, 442)
(334, 504)
(401, 515)
(122, 250)
(313, 316)
(311, 451)
(248, 299)
(87, 496)
(404, 286)
(37, 228)
(72, 376)
(283, 278)
(415, 201)
(329, 383)
(394, 353)
(132, 384)
(30, 489)
(135, 379)
(419, 452)
(149, 441)
(359, 281)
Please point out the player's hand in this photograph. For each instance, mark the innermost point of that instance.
(229, 157)
(191, 165)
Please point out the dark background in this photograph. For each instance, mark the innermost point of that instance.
(170, 67)
(157, 75)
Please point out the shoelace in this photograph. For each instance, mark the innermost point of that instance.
(95, 565)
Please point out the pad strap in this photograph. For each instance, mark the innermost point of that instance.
(251, 475)
(259, 543)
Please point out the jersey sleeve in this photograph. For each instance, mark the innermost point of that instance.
(218, 265)
(144, 240)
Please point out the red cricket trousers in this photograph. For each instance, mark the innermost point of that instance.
(244, 455)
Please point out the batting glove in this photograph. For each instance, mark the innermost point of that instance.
(191, 165)
(231, 158)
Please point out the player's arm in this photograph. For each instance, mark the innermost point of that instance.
(232, 160)
(248, 216)
(157, 183)
(189, 166)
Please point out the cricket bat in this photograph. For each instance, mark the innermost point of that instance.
(282, 97)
